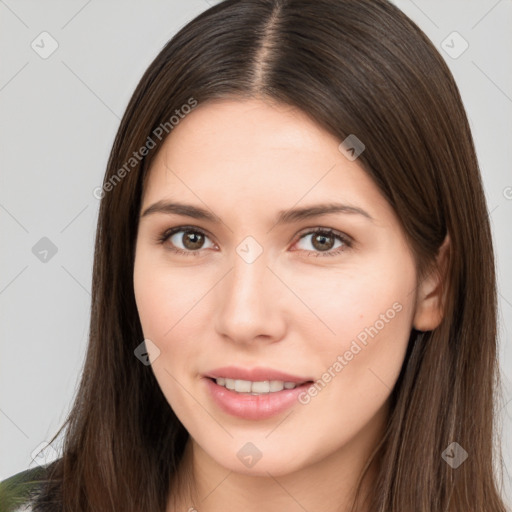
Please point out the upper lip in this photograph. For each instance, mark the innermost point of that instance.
(257, 374)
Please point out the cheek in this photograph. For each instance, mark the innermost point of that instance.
(370, 312)
(162, 296)
(355, 301)
(170, 306)
(163, 300)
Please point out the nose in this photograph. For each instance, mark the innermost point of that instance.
(251, 303)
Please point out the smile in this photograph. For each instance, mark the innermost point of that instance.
(255, 387)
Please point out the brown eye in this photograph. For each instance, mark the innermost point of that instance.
(322, 241)
(192, 240)
(185, 240)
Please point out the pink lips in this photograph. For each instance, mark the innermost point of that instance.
(254, 407)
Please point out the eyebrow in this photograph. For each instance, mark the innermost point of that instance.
(283, 217)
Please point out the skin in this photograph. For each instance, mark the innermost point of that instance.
(292, 309)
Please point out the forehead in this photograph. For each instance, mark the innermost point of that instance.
(251, 154)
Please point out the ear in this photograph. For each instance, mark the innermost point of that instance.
(431, 293)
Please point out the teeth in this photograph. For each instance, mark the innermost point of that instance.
(243, 386)
(278, 385)
(255, 388)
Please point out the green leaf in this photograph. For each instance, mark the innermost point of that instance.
(19, 488)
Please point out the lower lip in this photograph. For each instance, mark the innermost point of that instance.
(254, 407)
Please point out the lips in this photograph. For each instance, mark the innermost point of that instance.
(254, 406)
(257, 374)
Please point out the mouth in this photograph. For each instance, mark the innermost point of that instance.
(247, 387)
(254, 393)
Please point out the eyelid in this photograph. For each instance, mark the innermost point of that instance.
(321, 229)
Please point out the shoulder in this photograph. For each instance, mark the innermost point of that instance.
(17, 491)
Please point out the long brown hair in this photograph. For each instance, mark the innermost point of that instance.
(356, 67)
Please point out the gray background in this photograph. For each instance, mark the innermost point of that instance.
(59, 117)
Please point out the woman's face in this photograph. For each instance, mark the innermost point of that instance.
(254, 287)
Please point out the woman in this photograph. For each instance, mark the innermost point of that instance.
(231, 363)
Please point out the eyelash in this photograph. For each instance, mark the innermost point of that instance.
(347, 241)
